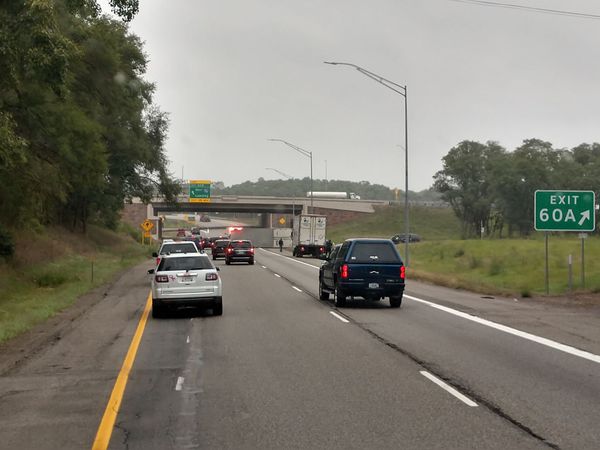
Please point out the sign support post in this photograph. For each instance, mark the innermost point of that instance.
(547, 272)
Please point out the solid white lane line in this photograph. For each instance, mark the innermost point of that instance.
(333, 313)
(187, 341)
(290, 259)
(299, 290)
(530, 337)
(277, 275)
(179, 384)
(449, 389)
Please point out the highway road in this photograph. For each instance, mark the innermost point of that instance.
(281, 369)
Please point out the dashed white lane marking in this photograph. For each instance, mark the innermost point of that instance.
(298, 289)
(530, 337)
(187, 341)
(339, 317)
(449, 389)
(264, 267)
(277, 275)
(179, 384)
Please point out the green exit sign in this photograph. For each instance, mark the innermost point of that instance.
(565, 211)
(200, 191)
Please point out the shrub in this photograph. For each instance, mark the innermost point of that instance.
(460, 252)
(474, 262)
(496, 267)
(7, 245)
(525, 292)
(51, 279)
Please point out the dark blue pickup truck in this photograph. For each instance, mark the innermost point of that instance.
(367, 268)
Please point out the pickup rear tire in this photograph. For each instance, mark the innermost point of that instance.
(340, 298)
(395, 302)
(322, 294)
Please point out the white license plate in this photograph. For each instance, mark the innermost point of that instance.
(373, 285)
(186, 279)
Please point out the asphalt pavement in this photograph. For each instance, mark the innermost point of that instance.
(282, 369)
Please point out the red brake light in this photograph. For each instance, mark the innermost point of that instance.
(158, 260)
(252, 250)
(402, 272)
(344, 271)
(229, 249)
(161, 279)
(211, 277)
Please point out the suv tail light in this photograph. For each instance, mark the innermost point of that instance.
(344, 271)
(252, 250)
(161, 278)
(157, 260)
(402, 272)
(212, 277)
(229, 250)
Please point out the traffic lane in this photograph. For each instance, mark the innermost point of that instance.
(277, 370)
(575, 326)
(56, 398)
(535, 386)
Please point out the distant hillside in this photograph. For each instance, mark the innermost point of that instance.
(299, 187)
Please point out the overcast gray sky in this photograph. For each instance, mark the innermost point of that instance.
(233, 73)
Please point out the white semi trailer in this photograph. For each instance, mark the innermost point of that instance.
(331, 194)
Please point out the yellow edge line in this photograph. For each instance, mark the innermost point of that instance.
(112, 408)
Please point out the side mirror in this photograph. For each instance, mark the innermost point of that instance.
(218, 269)
(154, 255)
(151, 272)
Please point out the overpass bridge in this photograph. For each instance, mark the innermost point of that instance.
(271, 208)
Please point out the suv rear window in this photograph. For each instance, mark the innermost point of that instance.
(221, 243)
(184, 263)
(241, 244)
(179, 248)
(374, 252)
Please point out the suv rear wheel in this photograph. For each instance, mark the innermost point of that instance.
(395, 302)
(157, 310)
(340, 297)
(322, 294)
(218, 307)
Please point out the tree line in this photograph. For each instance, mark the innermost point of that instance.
(489, 187)
(79, 132)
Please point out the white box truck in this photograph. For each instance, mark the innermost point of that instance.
(308, 235)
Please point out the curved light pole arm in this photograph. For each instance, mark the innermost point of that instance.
(308, 155)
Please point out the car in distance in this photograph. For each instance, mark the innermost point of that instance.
(219, 247)
(363, 267)
(169, 246)
(239, 250)
(186, 280)
(401, 238)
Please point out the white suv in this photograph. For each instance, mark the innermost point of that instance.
(186, 279)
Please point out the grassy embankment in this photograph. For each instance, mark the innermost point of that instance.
(494, 266)
(51, 270)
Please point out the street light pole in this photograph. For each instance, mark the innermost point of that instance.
(308, 155)
(403, 91)
(294, 197)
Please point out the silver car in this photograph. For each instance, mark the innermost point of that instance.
(186, 280)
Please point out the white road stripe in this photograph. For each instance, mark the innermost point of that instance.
(179, 384)
(448, 388)
(333, 313)
(264, 267)
(277, 275)
(530, 337)
(299, 290)
(187, 341)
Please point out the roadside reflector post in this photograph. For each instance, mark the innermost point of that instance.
(570, 263)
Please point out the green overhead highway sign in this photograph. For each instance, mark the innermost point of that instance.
(200, 191)
(565, 211)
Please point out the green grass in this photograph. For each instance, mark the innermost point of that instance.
(498, 266)
(429, 223)
(35, 292)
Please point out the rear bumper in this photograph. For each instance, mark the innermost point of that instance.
(187, 301)
(362, 289)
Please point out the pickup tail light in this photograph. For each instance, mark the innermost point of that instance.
(212, 276)
(321, 249)
(344, 271)
(229, 250)
(402, 272)
(161, 278)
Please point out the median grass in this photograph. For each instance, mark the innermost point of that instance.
(52, 269)
(493, 266)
